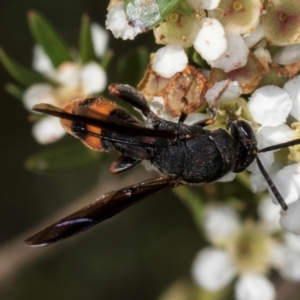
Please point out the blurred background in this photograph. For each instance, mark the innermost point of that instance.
(137, 254)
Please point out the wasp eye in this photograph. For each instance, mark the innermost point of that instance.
(246, 129)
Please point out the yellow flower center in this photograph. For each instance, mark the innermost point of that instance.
(251, 250)
(173, 17)
(237, 5)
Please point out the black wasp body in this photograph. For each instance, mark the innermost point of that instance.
(183, 154)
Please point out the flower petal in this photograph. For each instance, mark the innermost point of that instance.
(210, 41)
(254, 37)
(270, 106)
(287, 181)
(47, 130)
(213, 269)
(288, 55)
(203, 4)
(42, 63)
(293, 89)
(292, 241)
(116, 22)
(232, 91)
(220, 223)
(68, 73)
(252, 286)
(290, 220)
(258, 182)
(290, 264)
(269, 136)
(38, 93)
(169, 60)
(100, 39)
(269, 214)
(93, 78)
(232, 59)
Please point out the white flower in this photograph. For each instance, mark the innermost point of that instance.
(214, 267)
(270, 106)
(72, 80)
(116, 22)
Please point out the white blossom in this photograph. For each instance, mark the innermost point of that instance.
(72, 80)
(214, 267)
(116, 21)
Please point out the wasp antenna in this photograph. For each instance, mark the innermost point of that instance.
(280, 146)
(225, 87)
(271, 185)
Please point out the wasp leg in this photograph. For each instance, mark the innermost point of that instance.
(123, 163)
(130, 95)
(212, 108)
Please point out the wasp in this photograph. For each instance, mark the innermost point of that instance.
(183, 154)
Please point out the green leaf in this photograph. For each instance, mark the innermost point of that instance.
(167, 6)
(14, 90)
(18, 72)
(86, 46)
(47, 37)
(146, 14)
(61, 159)
(132, 66)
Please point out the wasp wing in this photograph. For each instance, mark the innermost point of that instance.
(107, 122)
(103, 208)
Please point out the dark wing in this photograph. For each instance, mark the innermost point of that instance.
(109, 123)
(103, 208)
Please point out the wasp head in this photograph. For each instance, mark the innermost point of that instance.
(244, 135)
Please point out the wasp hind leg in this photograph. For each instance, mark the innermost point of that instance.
(131, 95)
(123, 163)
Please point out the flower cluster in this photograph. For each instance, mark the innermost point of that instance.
(227, 34)
(233, 38)
(248, 250)
(71, 80)
(59, 74)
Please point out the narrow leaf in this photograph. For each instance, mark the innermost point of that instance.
(86, 46)
(146, 14)
(50, 40)
(18, 72)
(61, 159)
